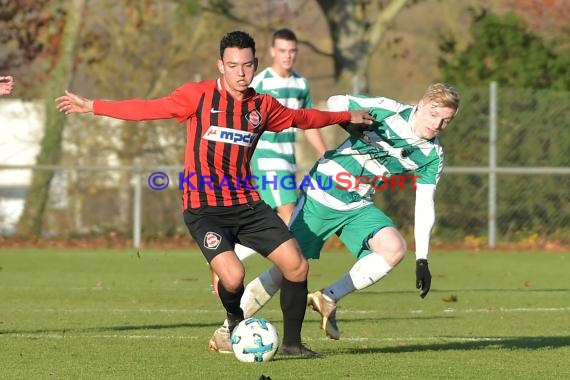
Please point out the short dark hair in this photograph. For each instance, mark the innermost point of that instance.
(284, 34)
(238, 39)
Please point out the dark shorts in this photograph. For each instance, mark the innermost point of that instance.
(218, 229)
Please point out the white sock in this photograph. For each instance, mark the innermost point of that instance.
(365, 272)
(243, 252)
(257, 293)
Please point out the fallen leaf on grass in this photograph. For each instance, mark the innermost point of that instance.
(451, 298)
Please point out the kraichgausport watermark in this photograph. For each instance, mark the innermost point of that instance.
(158, 181)
(340, 181)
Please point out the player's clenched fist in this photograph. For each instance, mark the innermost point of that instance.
(360, 122)
(6, 85)
(423, 277)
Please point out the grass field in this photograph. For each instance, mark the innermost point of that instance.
(116, 314)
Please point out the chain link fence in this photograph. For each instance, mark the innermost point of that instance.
(507, 174)
(510, 189)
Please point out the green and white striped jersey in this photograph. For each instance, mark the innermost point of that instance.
(392, 149)
(276, 151)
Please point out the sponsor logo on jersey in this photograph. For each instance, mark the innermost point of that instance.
(228, 135)
(213, 110)
(254, 118)
(212, 240)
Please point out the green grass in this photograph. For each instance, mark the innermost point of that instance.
(110, 314)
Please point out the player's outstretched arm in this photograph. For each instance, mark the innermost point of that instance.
(280, 117)
(423, 224)
(72, 103)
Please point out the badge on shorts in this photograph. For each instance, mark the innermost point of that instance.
(212, 240)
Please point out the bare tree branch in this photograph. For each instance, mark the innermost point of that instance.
(226, 12)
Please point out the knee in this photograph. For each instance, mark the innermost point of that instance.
(398, 248)
(233, 280)
(233, 285)
(298, 271)
(390, 244)
(303, 269)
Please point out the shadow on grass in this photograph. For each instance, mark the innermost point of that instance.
(213, 325)
(457, 291)
(101, 329)
(524, 342)
(359, 320)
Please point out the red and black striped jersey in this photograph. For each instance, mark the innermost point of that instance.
(221, 135)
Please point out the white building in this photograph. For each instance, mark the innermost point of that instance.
(21, 129)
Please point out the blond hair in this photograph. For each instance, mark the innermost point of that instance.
(443, 95)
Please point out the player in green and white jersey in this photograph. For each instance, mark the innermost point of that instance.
(274, 155)
(404, 139)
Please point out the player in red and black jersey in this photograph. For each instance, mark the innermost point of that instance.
(224, 119)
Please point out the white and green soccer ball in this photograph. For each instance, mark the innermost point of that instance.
(255, 340)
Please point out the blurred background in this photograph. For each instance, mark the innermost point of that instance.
(84, 179)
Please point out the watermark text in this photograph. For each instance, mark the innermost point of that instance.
(340, 181)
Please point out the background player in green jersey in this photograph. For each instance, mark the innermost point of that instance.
(403, 139)
(274, 155)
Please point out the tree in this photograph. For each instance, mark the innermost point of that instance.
(120, 54)
(541, 15)
(30, 223)
(30, 33)
(503, 50)
(132, 43)
(354, 35)
(530, 72)
(138, 49)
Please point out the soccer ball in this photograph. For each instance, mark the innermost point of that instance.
(255, 340)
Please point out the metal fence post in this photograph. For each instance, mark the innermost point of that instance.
(137, 208)
(493, 165)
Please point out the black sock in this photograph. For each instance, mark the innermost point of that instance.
(293, 306)
(231, 303)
